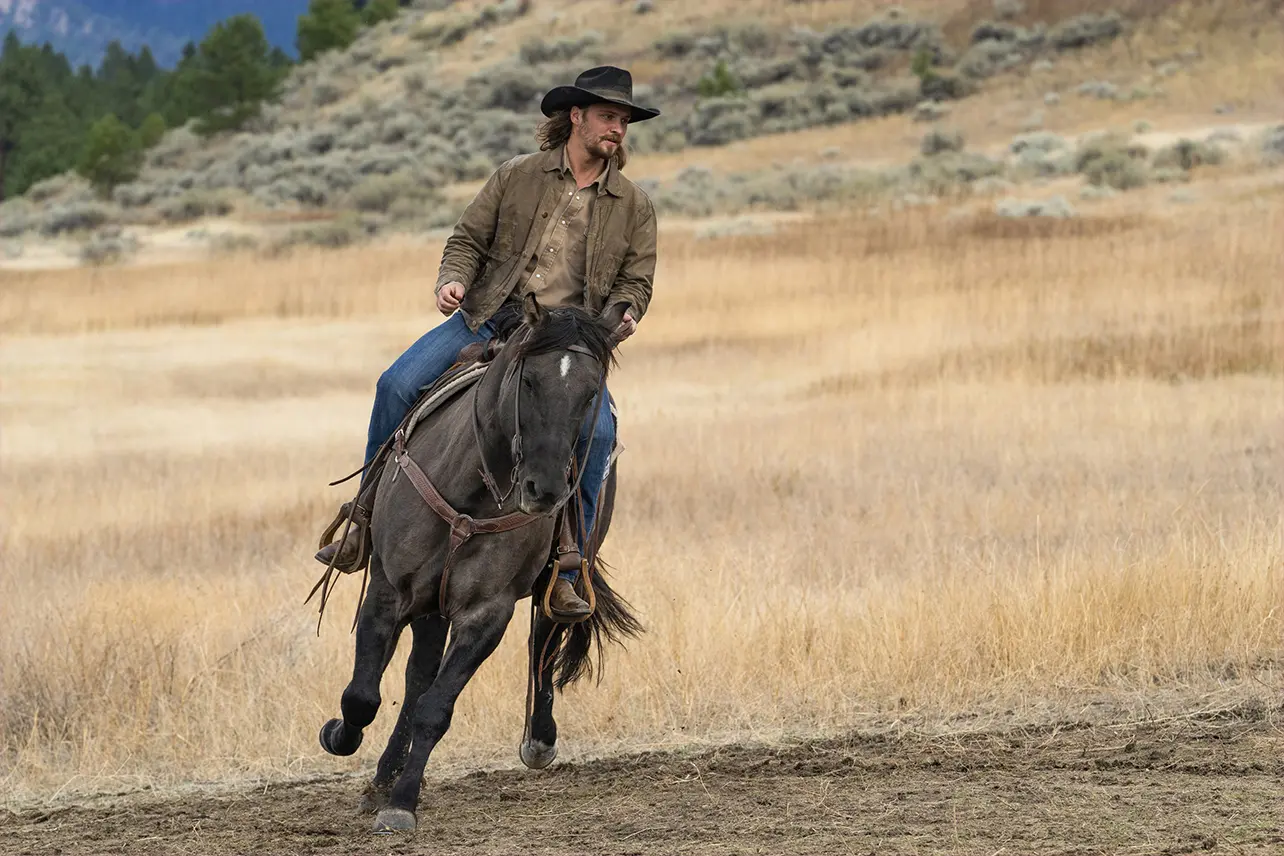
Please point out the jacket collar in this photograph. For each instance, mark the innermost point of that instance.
(554, 160)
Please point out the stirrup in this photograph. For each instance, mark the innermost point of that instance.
(360, 518)
(564, 560)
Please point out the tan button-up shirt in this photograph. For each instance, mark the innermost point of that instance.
(555, 271)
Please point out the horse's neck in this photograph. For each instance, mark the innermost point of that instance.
(448, 452)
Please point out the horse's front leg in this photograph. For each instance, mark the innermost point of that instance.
(539, 742)
(475, 633)
(429, 641)
(378, 627)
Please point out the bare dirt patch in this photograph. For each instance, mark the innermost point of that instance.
(1182, 785)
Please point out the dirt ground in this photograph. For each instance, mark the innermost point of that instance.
(1185, 785)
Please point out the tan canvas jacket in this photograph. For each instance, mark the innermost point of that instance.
(498, 231)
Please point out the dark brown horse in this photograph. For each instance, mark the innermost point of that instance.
(540, 385)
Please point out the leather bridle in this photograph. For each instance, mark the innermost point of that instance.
(464, 526)
(515, 440)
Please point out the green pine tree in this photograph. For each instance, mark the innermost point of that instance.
(20, 96)
(151, 131)
(233, 75)
(377, 11)
(112, 154)
(51, 142)
(329, 24)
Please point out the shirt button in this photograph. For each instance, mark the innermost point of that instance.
(539, 276)
(563, 222)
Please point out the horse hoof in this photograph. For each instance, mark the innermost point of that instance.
(373, 800)
(393, 820)
(536, 754)
(338, 739)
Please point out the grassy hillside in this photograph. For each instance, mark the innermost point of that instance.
(393, 134)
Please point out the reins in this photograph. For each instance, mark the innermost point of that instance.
(463, 526)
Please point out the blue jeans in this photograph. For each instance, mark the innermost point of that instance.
(428, 358)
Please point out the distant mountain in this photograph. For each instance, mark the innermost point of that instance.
(82, 28)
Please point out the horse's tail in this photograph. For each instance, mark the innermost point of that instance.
(612, 619)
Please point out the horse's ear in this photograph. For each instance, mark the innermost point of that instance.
(612, 316)
(533, 313)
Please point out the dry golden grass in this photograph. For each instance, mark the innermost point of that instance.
(874, 467)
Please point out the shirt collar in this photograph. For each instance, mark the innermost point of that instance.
(608, 181)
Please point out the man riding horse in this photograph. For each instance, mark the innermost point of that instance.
(564, 225)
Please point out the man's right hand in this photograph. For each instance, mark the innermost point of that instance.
(449, 297)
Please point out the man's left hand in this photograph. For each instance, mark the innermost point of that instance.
(627, 327)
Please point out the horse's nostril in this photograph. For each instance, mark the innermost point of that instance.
(529, 488)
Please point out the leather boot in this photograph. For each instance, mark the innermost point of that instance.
(354, 551)
(351, 556)
(565, 603)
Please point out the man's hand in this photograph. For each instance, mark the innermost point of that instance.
(449, 297)
(626, 328)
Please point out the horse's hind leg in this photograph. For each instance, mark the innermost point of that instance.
(429, 640)
(377, 630)
(539, 743)
(474, 636)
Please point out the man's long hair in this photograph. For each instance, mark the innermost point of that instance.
(557, 129)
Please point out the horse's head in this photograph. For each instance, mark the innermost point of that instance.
(554, 365)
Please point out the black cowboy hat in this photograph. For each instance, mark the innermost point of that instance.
(606, 83)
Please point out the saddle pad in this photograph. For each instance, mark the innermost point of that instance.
(443, 392)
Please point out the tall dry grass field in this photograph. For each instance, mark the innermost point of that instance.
(875, 468)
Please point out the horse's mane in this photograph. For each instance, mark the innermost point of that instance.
(562, 327)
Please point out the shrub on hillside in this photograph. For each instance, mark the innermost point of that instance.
(399, 128)
(676, 45)
(1272, 145)
(1084, 30)
(537, 50)
(938, 140)
(946, 87)
(988, 58)
(756, 73)
(196, 204)
(944, 170)
(1109, 159)
(1041, 154)
(1102, 89)
(379, 194)
(508, 86)
(75, 217)
(718, 82)
(326, 92)
(1187, 154)
(110, 246)
(717, 121)
(173, 148)
(67, 187)
(443, 30)
(135, 195)
(16, 217)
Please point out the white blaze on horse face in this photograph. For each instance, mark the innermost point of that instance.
(566, 365)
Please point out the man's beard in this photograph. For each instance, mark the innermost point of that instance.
(600, 147)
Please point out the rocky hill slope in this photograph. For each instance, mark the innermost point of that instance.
(444, 93)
